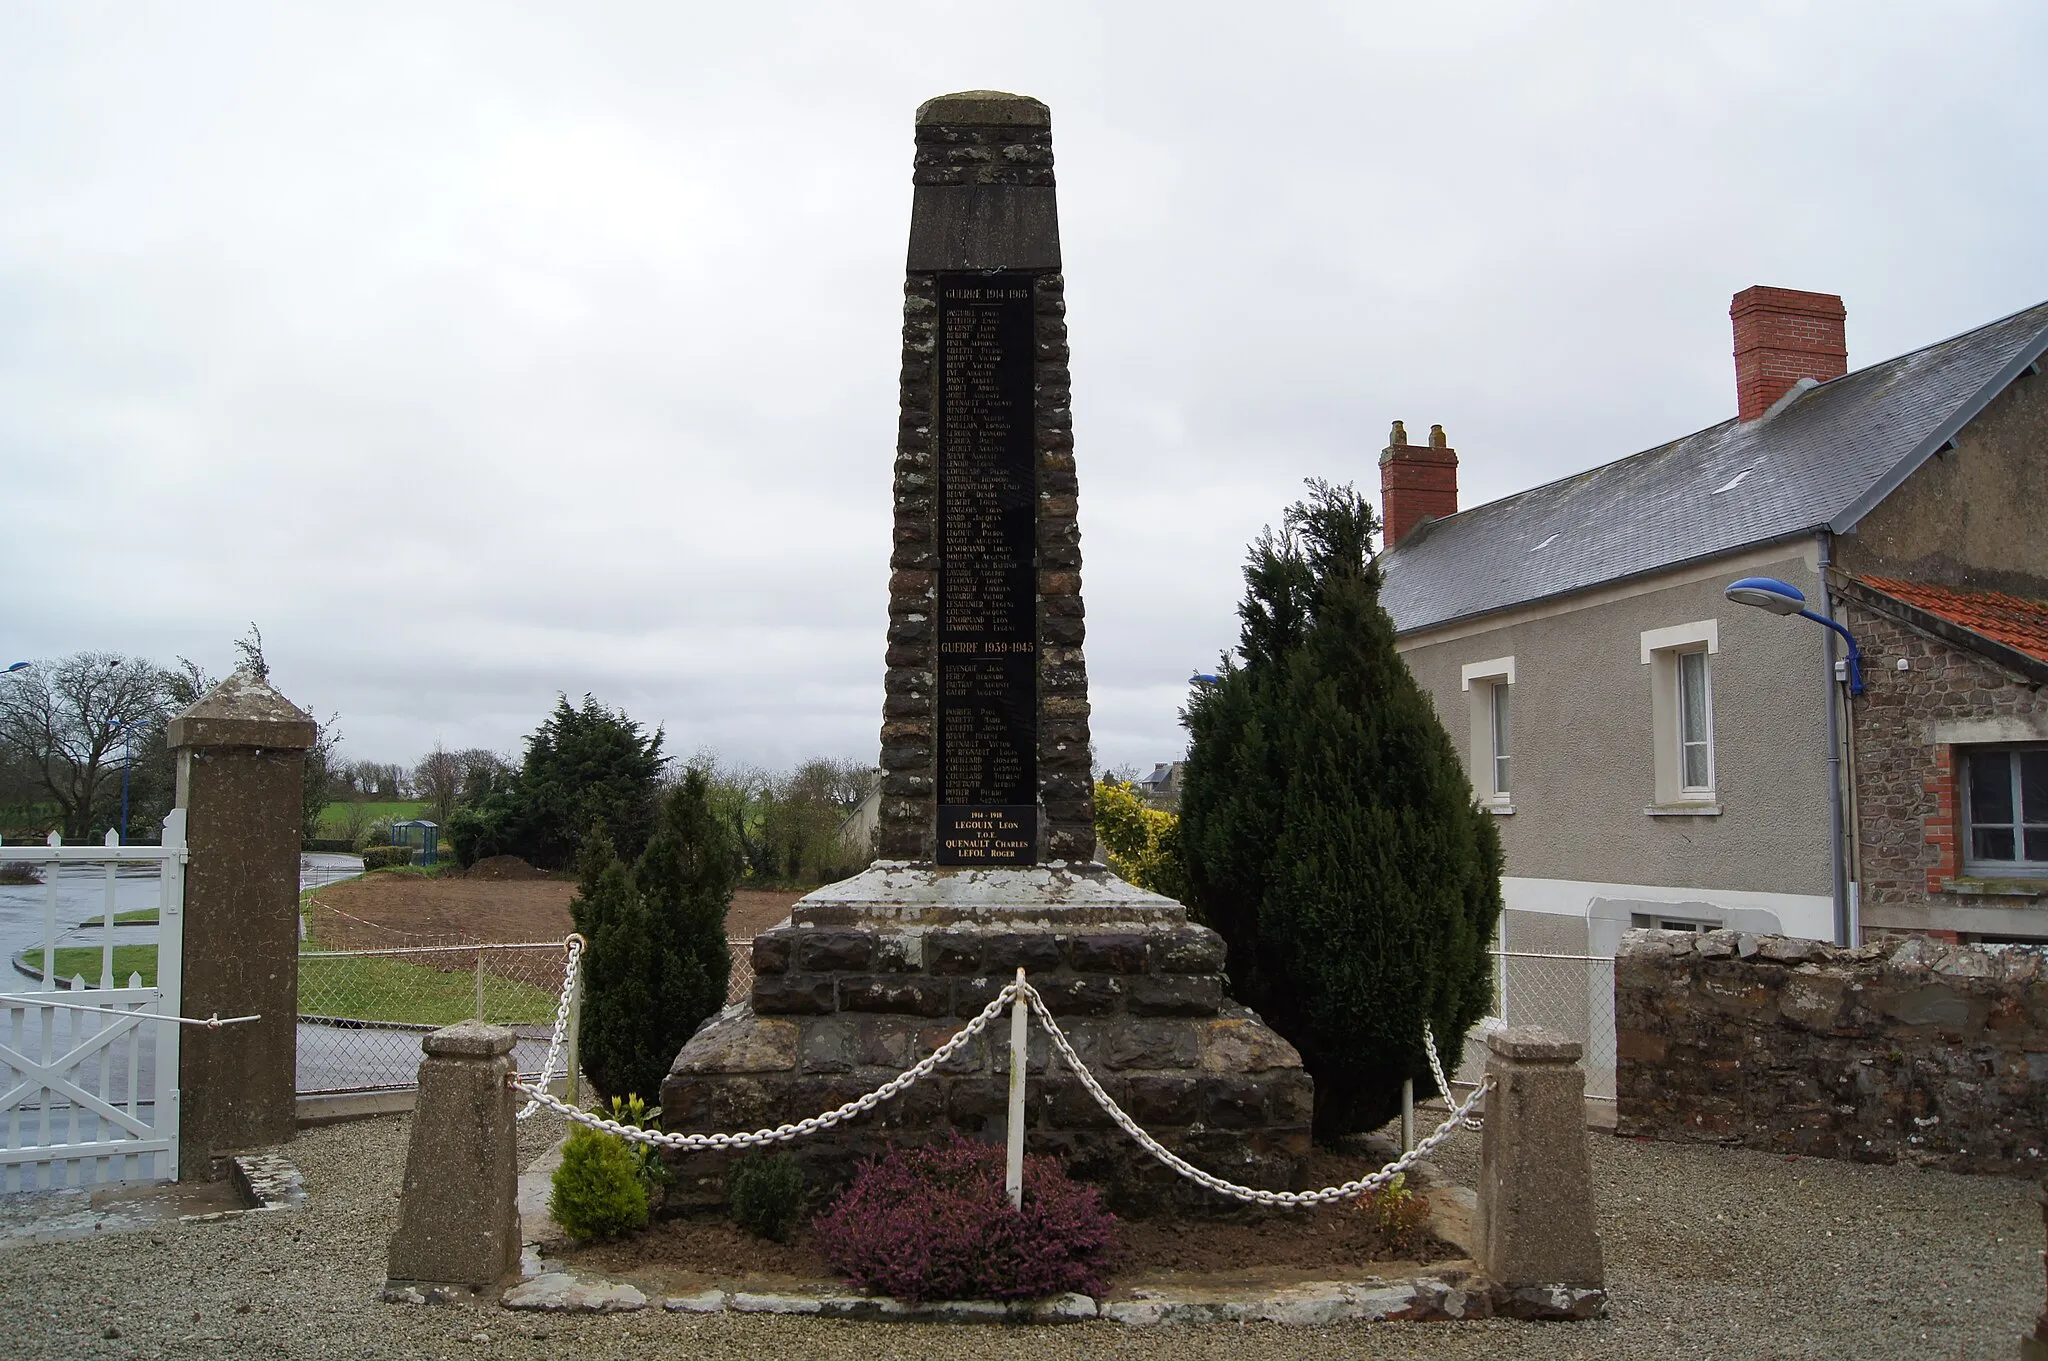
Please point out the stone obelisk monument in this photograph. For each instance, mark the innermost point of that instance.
(987, 822)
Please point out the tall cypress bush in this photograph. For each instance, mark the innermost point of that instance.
(657, 965)
(1329, 829)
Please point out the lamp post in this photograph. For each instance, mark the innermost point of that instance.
(1783, 598)
(19, 666)
(127, 727)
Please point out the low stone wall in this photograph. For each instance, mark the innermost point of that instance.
(1899, 1051)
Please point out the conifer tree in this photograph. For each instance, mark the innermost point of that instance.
(1329, 829)
(657, 965)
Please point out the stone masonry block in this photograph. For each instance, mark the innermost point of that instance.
(1189, 949)
(908, 996)
(1106, 952)
(771, 952)
(835, 951)
(794, 995)
(1175, 995)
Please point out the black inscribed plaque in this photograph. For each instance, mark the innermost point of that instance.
(988, 571)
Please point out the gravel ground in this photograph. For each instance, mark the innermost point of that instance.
(1710, 1253)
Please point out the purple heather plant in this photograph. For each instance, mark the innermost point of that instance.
(934, 1224)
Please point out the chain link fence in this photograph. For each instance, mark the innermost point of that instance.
(362, 1012)
(739, 984)
(1572, 994)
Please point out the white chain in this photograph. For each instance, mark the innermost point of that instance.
(1436, 1066)
(781, 1133)
(1370, 1182)
(540, 1097)
(572, 944)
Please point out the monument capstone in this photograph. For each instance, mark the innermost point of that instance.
(987, 833)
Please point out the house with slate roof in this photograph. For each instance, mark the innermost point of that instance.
(1659, 756)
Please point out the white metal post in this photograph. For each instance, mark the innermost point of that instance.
(1013, 1174)
(170, 984)
(575, 1084)
(1407, 1114)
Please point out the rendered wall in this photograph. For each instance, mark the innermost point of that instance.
(1971, 517)
(1584, 737)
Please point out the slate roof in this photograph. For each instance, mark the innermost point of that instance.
(2018, 623)
(1824, 459)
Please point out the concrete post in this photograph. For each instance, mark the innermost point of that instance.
(1535, 1220)
(458, 1216)
(241, 761)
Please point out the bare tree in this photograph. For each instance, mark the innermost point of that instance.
(438, 780)
(66, 721)
(356, 819)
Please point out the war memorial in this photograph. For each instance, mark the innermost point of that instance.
(988, 859)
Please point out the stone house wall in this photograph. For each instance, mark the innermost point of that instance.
(1900, 1051)
(1908, 726)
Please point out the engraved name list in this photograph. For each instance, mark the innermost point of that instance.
(988, 601)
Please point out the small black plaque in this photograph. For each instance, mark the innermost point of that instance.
(988, 577)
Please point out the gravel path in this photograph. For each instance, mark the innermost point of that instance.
(1711, 1254)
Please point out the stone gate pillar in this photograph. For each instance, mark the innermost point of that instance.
(241, 759)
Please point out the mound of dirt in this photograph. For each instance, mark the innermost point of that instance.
(504, 867)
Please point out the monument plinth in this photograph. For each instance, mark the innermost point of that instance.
(987, 829)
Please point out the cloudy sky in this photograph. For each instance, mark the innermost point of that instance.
(484, 352)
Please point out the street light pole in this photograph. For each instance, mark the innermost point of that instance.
(1783, 598)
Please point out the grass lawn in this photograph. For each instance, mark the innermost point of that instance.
(380, 988)
(331, 817)
(83, 961)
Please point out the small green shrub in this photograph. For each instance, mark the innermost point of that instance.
(1398, 1216)
(597, 1190)
(654, 1175)
(20, 872)
(767, 1195)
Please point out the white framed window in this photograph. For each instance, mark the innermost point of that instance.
(1681, 665)
(1503, 728)
(1490, 685)
(1695, 725)
(2005, 809)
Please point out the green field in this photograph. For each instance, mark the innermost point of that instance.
(83, 961)
(333, 817)
(364, 988)
(385, 989)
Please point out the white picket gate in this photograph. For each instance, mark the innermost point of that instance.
(88, 1075)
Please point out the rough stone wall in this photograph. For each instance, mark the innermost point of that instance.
(836, 1013)
(1903, 1051)
(1007, 154)
(1908, 782)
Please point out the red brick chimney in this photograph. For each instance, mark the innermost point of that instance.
(1416, 484)
(1781, 336)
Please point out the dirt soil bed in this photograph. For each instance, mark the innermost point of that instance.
(1332, 1242)
(386, 910)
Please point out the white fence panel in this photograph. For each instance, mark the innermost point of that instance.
(88, 1075)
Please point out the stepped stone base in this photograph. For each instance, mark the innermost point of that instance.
(871, 974)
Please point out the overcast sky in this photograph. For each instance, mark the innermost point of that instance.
(481, 353)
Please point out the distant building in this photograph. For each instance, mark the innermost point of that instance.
(1659, 756)
(1161, 789)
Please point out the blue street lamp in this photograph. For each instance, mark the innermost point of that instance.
(1203, 678)
(127, 727)
(19, 666)
(1782, 597)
